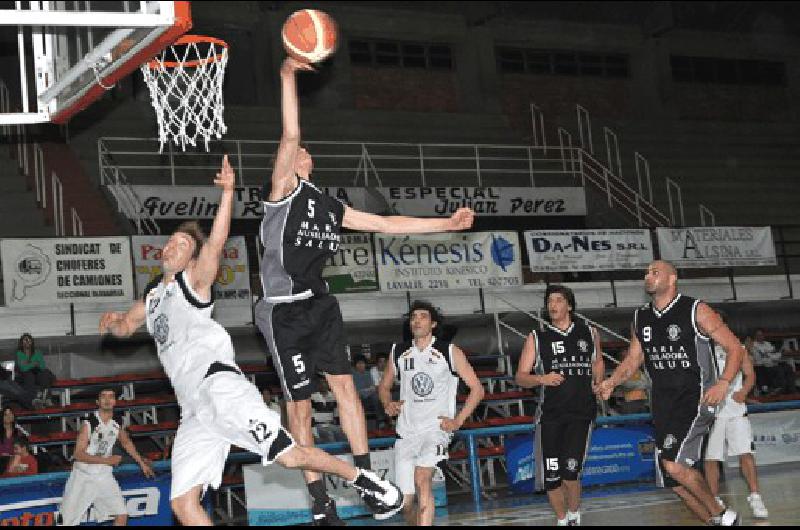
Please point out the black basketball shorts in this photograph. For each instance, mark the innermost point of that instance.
(681, 425)
(305, 337)
(561, 449)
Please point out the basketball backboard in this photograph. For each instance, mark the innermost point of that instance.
(70, 53)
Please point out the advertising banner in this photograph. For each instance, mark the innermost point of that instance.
(202, 202)
(776, 437)
(66, 270)
(617, 454)
(233, 279)
(34, 501)
(492, 201)
(717, 246)
(352, 268)
(448, 261)
(588, 250)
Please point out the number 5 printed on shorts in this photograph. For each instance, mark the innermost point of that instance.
(299, 365)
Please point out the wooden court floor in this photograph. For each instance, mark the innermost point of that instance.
(638, 505)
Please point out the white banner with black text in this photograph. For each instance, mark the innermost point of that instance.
(68, 270)
(588, 250)
(202, 202)
(717, 246)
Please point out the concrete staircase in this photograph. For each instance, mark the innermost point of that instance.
(745, 173)
(20, 215)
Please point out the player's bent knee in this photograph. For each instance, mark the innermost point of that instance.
(296, 457)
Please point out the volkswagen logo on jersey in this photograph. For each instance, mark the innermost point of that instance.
(674, 332)
(669, 441)
(583, 345)
(422, 384)
(572, 465)
(161, 329)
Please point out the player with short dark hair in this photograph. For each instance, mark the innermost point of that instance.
(300, 320)
(92, 479)
(673, 336)
(429, 370)
(565, 361)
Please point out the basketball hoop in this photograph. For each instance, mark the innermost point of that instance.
(185, 83)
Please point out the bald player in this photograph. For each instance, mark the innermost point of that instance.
(672, 336)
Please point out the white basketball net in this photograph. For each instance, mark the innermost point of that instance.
(185, 83)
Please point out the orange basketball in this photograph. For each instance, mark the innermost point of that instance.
(309, 35)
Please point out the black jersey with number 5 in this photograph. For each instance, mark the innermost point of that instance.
(298, 233)
(676, 353)
(570, 353)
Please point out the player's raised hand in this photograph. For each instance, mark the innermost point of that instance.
(552, 379)
(462, 219)
(449, 424)
(393, 408)
(716, 393)
(605, 388)
(291, 65)
(147, 470)
(226, 178)
(110, 319)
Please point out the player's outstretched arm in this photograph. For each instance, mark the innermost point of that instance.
(206, 266)
(123, 324)
(625, 370)
(385, 385)
(398, 224)
(476, 391)
(283, 176)
(712, 326)
(130, 448)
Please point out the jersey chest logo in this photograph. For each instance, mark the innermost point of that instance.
(422, 384)
(154, 301)
(583, 346)
(674, 332)
(161, 329)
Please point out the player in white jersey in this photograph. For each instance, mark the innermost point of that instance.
(732, 428)
(92, 480)
(220, 407)
(429, 370)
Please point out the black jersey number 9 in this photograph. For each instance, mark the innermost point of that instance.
(647, 333)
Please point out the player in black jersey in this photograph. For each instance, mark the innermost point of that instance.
(563, 359)
(672, 336)
(301, 322)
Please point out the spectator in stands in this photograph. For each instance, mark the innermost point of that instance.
(14, 391)
(377, 371)
(34, 375)
(23, 462)
(323, 417)
(769, 369)
(367, 390)
(634, 397)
